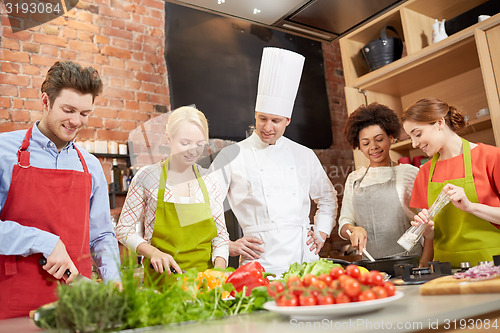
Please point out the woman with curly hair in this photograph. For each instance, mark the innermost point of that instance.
(375, 208)
(467, 230)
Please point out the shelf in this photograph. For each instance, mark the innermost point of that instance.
(414, 24)
(475, 125)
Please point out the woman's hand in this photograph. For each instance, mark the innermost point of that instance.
(457, 197)
(423, 218)
(358, 238)
(162, 261)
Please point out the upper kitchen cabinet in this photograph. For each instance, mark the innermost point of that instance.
(459, 69)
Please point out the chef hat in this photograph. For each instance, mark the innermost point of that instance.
(279, 77)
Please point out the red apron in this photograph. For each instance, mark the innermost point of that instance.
(53, 200)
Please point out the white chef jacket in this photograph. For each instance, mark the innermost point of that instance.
(269, 189)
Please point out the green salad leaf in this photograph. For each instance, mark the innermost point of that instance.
(315, 267)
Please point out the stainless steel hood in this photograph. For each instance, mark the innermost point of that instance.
(323, 20)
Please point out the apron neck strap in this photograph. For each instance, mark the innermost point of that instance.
(163, 179)
(23, 155)
(466, 158)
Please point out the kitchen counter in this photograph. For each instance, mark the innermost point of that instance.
(411, 313)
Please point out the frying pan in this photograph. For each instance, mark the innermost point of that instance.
(384, 264)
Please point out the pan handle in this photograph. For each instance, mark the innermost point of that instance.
(339, 261)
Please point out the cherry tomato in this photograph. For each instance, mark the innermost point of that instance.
(342, 298)
(364, 278)
(275, 288)
(367, 295)
(293, 281)
(326, 278)
(309, 279)
(288, 300)
(390, 288)
(352, 287)
(318, 284)
(379, 292)
(336, 271)
(353, 271)
(335, 285)
(343, 277)
(375, 278)
(326, 299)
(294, 285)
(307, 299)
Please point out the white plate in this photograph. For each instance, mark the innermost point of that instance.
(334, 310)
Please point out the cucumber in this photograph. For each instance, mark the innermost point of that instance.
(45, 316)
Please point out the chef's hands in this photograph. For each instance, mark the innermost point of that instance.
(423, 218)
(58, 262)
(162, 261)
(246, 246)
(314, 241)
(357, 237)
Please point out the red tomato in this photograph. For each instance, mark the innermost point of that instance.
(318, 284)
(375, 278)
(390, 288)
(294, 285)
(335, 285)
(288, 300)
(326, 278)
(343, 277)
(307, 299)
(293, 281)
(367, 295)
(336, 271)
(309, 279)
(364, 278)
(342, 298)
(326, 299)
(275, 288)
(352, 287)
(353, 271)
(379, 291)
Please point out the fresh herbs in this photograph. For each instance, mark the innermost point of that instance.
(88, 307)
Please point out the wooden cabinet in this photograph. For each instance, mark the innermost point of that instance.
(459, 69)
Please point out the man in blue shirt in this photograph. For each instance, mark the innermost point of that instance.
(53, 198)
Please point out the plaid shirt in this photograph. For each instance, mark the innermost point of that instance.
(137, 219)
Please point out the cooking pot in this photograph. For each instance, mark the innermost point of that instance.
(384, 264)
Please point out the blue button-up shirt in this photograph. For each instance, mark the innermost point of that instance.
(16, 239)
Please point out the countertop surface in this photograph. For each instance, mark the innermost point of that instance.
(412, 312)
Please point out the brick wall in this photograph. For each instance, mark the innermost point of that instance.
(124, 40)
(338, 159)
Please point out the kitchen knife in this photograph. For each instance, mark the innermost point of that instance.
(79, 277)
(171, 269)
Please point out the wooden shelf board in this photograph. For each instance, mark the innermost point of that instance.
(432, 64)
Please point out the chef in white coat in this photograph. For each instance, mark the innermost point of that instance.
(271, 180)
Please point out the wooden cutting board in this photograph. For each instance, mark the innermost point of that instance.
(447, 285)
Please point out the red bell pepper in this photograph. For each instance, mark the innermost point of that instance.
(250, 275)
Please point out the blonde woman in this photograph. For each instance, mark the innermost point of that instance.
(177, 205)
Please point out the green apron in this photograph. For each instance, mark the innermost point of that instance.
(185, 231)
(460, 236)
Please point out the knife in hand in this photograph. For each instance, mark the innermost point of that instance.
(79, 277)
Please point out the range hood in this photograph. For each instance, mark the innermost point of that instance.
(323, 20)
